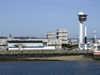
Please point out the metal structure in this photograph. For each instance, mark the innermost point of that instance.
(85, 38)
(95, 36)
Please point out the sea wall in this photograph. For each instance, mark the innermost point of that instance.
(46, 56)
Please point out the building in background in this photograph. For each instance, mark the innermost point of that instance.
(73, 41)
(62, 35)
(50, 35)
(52, 41)
(3, 44)
(27, 43)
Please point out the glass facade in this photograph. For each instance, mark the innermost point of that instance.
(28, 44)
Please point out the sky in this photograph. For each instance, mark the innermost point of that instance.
(35, 18)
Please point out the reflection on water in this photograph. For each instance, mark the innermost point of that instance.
(50, 68)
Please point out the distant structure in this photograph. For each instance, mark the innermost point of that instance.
(27, 43)
(10, 37)
(62, 35)
(95, 36)
(73, 41)
(82, 18)
(50, 35)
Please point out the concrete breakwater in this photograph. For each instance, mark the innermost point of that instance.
(45, 56)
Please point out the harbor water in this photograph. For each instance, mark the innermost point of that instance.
(50, 68)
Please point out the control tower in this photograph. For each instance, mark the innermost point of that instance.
(82, 18)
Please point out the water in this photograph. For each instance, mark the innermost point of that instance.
(50, 68)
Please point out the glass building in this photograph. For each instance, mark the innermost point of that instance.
(26, 44)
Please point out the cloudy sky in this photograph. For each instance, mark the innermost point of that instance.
(37, 17)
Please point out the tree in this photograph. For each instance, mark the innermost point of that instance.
(69, 46)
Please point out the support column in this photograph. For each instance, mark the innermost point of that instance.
(80, 33)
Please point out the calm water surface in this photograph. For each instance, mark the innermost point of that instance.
(50, 68)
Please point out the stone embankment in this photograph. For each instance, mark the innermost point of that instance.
(46, 55)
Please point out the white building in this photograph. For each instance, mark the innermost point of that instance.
(50, 35)
(62, 35)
